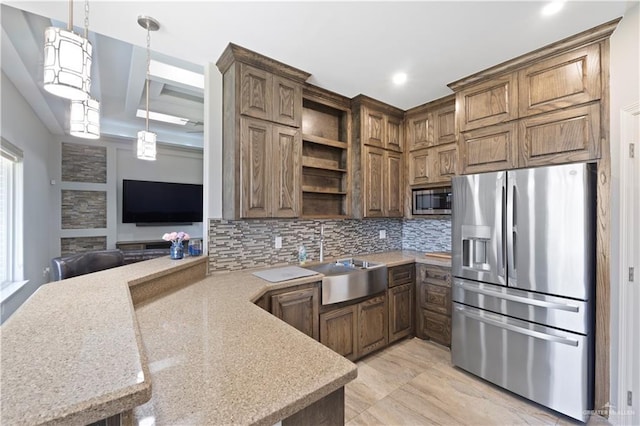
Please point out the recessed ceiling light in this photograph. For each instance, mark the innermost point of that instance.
(157, 116)
(553, 7)
(399, 78)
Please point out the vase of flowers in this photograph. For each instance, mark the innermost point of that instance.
(176, 238)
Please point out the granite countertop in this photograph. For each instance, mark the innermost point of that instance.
(77, 350)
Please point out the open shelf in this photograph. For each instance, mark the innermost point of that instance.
(325, 159)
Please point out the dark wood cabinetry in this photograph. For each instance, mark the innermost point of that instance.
(434, 303)
(489, 148)
(401, 301)
(372, 325)
(299, 308)
(262, 144)
(339, 331)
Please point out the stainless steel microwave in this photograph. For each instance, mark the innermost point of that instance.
(431, 201)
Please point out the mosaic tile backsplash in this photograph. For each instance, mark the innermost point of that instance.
(241, 244)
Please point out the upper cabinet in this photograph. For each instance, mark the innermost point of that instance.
(544, 107)
(433, 152)
(262, 141)
(377, 160)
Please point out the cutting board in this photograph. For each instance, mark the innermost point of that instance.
(284, 274)
(439, 255)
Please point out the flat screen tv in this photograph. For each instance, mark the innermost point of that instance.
(146, 202)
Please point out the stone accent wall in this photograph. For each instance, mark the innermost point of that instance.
(242, 244)
(84, 209)
(426, 235)
(76, 245)
(84, 163)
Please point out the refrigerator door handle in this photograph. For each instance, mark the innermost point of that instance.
(511, 228)
(501, 209)
(519, 299)
(531, 333)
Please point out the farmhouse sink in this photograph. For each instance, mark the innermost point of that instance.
(349, 279)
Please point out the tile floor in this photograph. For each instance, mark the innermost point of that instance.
(413, 383)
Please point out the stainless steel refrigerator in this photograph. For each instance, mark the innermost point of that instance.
(523, 261)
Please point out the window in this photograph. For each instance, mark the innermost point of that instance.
(11, 251)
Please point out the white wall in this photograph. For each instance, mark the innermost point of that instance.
(22, 128)
(624, 91)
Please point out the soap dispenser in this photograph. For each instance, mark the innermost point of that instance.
(302, 255)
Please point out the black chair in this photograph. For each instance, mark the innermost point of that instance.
(85, 263)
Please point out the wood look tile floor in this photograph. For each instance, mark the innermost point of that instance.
(413, 383)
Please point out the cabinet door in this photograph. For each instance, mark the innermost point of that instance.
(393, 190)
(437, 327)
(287, 102)
(420, 131)
(445, 125)
(487, 103)
(489, 149)
(394, 140)
(372, 325)
(403, 274)
(256, 95)
(373, 125)
(339, 331)
(564, 136)
(561, 81)
(374, 179)
(298, 308)
(401, 310)
(287, 154)
(419, 167)
(255, 168)
(442, 163)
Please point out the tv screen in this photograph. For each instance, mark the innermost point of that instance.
(160, 202)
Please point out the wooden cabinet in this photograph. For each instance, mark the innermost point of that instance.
(395, 136)
(561, 81)
(270, 157)
(326, 135)
(338, 331)
(419, 130)
(487, 103)
(298, 308)
(383, 180)
(489, 148)
(355, 330)
(568, 135)
(434, 303)
(400, 298)
(262, 145)
(269, 97)
(444, 120)
(380, 128)
(372, 325)
(433, 166)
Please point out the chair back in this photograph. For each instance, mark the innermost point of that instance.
(85, 263)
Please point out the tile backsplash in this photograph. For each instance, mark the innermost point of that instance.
(241, 244)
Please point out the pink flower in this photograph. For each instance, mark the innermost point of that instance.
(176, 237)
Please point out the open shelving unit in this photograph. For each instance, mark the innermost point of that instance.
(325, 155)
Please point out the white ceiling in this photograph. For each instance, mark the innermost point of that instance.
(349, 47)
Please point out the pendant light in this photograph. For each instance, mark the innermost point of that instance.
(146, 149)
(85, 119)
(67, 61)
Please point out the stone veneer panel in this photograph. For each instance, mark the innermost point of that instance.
(426, 235)
(241, 244)
(75, 245)
(84, 209)
(84, 163)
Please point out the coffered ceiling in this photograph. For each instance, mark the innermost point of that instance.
(349, 47)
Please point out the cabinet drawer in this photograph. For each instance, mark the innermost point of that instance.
(437, 327)
(435, 275)
(404, 274)
(437, 299)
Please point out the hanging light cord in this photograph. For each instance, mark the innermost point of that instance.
(70, 24)
(86, 19)
(148, 65)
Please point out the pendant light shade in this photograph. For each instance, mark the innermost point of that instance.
(67, 64)
(85, 119)
(146, 146)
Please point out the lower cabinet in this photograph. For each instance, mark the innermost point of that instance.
(401, 309)
(299, 308)
(434, 303)
(338, 331)
(356, 330)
